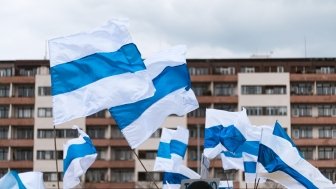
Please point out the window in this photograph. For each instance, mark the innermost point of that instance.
(263, 89)
(100, 114)
(327, 110)
(24, 112)
(121, 154)
(225, 70)
(251, 89)
(23, 133)
(301, 110)
(48, 154)
(44, 112)
(122, 175)
(193, 131)
(302, 132)
(326, 88)
(326, 70)
(192, 153)
(51, 176)
(280, 69)
(3, 172)
(44, 91)
(96, 132)
(3, 154)
(326, 152)
(96, 175)
(247, 69)
(253, 111)
(227, 107)
(307, 152)
(116, 133)
(302, 88)
(101, 153)
(199, 112)
(21, 154)
(225, 174)
(4, 90)
(4, 110)
(224, 89)
(27, 71)
(60, 133)
(3, 132)
(198, 71)
(201, 89)
(327, 132)
(144, 176)
(5, 72)
(147, 154)
(24, 91)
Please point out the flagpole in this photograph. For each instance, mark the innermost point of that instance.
(255, 180)
(58, 187)
(145, 169)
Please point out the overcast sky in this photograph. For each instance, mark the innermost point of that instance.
(209, 28)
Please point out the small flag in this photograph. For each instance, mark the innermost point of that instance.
(96, 70)
(79, 154)
(173, 95)
(27, 180)
(281, 160)
(225, 184)
(172, 148)
(172, 179)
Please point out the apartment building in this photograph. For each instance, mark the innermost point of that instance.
(298, 92)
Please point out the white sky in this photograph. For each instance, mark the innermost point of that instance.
(209, 28)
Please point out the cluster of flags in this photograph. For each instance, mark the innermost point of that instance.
(262, 152)
(103, 69)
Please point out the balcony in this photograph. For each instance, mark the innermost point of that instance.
(119, 185)
(99, 121)
(315, 142)
(114, 164)
(218, 99)
(196, 120)
(313, 120)
(18, 79)
(312, 77)
(214, 78)
(17, 142)
(18, 100)
(313, 99)
(17, 121)
(215, 163)
(17, 164)
(193, 141)
(323, 163)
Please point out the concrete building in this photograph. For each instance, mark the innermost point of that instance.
(298, 92)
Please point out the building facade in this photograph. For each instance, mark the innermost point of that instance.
(298, 92)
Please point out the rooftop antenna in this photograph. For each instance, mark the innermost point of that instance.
(305, 47)
(46, 50)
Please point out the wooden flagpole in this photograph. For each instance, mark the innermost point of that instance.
(145, 169)
(58, 187)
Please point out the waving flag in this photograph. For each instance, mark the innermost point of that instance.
(225, 184)
(172, 179)
(231, 135)
(173, 95)
(278, 155)
(96, 70)
(79, 154)
(172, 148)
(27, 180)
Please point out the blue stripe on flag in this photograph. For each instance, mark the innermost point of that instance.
(18, 180)
(280, 132)
(251, 147)
(272, 162)
(178, 147)
(78, 73)
(173, 178)
(168, 81)
(250, 166)
(232, 155)
(164, 150)
(78, 150)
(230, 137)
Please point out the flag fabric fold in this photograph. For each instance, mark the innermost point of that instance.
(231, 135)
(79, 154)
(281, 160)
(169, 73)
(96, 70)
(172, 148)
(26, 180)
(172, 179)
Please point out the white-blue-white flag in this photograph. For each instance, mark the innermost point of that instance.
(26, 180)
(79, 154)
(232, 135)
(173, 95)
(282, 162)
(172, 148)
(96, 70)
(172, 179)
